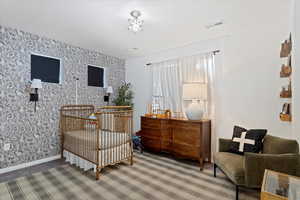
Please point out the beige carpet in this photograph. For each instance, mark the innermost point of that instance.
(151, 177)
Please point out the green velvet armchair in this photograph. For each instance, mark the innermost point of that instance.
(247, 170)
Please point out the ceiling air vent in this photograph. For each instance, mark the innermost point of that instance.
(219, 23)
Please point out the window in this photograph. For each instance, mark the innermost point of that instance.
(45, 68)
(96, 76)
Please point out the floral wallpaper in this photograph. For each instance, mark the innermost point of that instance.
(35, 135)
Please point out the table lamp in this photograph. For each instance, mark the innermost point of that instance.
(194, 92)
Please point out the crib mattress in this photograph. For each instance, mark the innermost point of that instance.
(107, 139)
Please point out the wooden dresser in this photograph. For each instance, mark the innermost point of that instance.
(181, 138)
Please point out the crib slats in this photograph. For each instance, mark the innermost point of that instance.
(102, 141)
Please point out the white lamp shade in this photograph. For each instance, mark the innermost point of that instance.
(109, 90)
(36, 83)
(194, 91)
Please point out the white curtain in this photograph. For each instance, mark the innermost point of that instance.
(200, 69)
(169, 76)
(167, 85)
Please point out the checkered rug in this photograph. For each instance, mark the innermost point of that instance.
(151, 177)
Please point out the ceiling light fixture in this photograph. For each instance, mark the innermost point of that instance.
(135, 24)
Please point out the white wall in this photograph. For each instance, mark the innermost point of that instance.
(296, 71)
(247, 71)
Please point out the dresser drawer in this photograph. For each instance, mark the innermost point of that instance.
(150, 123)
(186, 126)
(151, 144)
(166, 145)
(150, 133)
(186, 151)
(184, 136)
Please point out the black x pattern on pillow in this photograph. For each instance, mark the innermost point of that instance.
(244, 140)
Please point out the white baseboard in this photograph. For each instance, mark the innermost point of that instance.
(24, 165)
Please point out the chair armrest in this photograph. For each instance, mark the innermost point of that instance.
(224, 145)
(256, 164)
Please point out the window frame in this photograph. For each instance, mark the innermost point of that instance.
(104, 75)
(61, 71)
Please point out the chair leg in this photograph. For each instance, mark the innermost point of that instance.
(237, 192)
(215, 170)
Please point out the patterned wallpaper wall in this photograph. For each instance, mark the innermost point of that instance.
(33, 135)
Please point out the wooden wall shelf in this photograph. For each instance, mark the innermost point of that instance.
(286, 117)
(286, 72)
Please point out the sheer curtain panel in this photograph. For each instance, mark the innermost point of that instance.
(169, 77)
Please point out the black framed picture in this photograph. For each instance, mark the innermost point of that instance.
(47, 69)
(96, 76)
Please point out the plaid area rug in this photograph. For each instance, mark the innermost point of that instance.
(151, 177)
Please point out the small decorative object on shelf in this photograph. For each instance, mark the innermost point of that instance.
(286, 109)
(286, 92)
(149, 110)
(160, 114)
(154, 108)
(168, 114)
(286, 48)
(286, 70)
(148, 115)
(285, 118)
(285, 114)
(164, 114)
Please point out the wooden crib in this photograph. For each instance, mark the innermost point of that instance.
(102, 136)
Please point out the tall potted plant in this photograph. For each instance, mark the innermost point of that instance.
(124, 95)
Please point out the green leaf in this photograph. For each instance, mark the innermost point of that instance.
(124, 95)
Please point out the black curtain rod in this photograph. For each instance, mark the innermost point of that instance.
(214, 52)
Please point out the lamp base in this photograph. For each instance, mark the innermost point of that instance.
(194, 111)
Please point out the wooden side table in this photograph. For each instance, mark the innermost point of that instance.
(279, 186)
